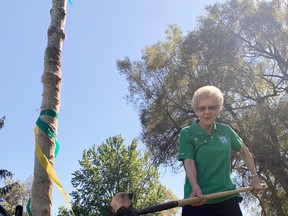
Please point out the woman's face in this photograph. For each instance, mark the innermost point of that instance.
(207, 110)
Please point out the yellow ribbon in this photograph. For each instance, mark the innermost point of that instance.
(49, 168)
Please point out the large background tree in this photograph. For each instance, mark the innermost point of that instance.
(111, 168)
(41, 201)
(240, 47)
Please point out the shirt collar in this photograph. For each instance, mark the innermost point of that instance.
(199, 131)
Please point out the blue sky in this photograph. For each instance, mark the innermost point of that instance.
(93, 107)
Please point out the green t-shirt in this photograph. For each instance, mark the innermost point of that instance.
(212, 156)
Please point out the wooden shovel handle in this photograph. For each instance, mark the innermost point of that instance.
(193, 200)
(190, 201)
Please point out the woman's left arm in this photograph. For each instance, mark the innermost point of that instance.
(248, 159)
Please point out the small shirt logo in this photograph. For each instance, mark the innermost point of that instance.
(224, 140)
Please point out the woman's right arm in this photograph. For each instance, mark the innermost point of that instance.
(191, 173)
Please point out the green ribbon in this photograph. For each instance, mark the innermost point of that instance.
(48, 130)
(28, 207)
(70, 2)
(49, 112)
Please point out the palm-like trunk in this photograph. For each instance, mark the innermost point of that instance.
(41, 200)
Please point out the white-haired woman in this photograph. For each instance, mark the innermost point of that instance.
(205, 149)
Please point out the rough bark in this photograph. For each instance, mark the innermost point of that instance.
(41, 200)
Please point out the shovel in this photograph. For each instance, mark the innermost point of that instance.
(121, 204)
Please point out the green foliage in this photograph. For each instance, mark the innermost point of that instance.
(18, 193)
(112, 168)
(5, 174)
(2, 122)
(241, 47)
(62, 211)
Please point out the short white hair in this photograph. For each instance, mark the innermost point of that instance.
(208, 91)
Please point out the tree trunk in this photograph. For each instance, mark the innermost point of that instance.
(41, 200)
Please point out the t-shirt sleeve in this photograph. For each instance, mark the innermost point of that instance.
(186, 148)
(236, 141)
